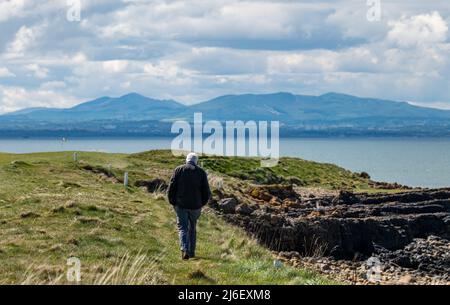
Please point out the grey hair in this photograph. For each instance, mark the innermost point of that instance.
(192, 158)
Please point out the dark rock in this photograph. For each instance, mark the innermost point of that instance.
(244, 209)
(348, 223)
(447, 223)
(404, 261)
(282, 191)
(289, 254)
(346, 197)
(152, 185)
(228, 205)
(424, 256)
(217, 194)
(408, 231)
(213, 204)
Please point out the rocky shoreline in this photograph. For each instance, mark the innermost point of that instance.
(430, 265)
(357, 238)
(405, 236)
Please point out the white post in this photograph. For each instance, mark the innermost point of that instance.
(125, 179)
(75, 157)
(220, 184)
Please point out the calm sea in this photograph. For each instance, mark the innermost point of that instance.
(414, 162)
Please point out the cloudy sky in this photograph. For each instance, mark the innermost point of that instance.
(194, 50)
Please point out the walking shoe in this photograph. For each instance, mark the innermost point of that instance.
(184, 255)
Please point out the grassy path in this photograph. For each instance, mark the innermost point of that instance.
(52, 209)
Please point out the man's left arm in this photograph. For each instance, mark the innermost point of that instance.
(172, 190)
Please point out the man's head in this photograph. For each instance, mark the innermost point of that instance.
(192, 158)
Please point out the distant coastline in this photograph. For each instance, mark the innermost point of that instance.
(17, 134)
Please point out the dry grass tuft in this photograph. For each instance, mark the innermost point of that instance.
(159, 193)
(315, 247)
(128, 271)
(89, 220)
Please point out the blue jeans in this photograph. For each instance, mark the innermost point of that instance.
(187, 229)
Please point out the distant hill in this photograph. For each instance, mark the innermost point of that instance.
(330, 114)
(130, 107)
(330, 108)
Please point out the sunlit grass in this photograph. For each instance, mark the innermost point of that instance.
(52, 209)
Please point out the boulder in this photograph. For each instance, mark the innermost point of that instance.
(228, 205)
(244, 209)
(346, 197)
(261, 194)
(213, 204)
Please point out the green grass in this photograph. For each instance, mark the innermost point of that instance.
(302, 172)
(52, 208)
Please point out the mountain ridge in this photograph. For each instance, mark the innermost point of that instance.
(134, 95)
(331, 111)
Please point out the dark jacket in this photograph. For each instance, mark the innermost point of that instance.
(189, 187)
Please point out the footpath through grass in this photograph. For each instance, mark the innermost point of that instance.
(52, 209)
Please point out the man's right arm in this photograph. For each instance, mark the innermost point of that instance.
(206, 191)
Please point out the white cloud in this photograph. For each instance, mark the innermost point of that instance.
(52, 85)
(359, 59)
(233, 23)
(11, 8)
(163, 69)
(38, 71)
(15, 98)
(167, 72)
(424, 29)
(303, 62)
(223, 61)
(114, 66)
(4, 72)
(178, 19)
(24, 39)
(79, 58)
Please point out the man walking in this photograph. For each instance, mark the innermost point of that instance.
(188, 192)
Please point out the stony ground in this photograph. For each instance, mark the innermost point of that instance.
(423, 262)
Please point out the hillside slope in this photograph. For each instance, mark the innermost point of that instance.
(52, 208)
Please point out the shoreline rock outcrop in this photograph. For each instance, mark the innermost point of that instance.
(349, 226)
